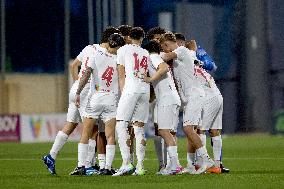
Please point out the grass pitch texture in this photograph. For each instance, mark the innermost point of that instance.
(255, 161)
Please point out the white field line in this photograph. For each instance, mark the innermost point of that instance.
(147, 159)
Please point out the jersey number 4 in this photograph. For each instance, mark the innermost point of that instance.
(107, 75)
(143, 64)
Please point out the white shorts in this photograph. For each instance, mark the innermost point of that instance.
(102, 106)
(133, 107)
(168, 117)
(75, 114)
(192, 110)
(212, 112)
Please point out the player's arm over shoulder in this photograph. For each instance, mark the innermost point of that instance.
(169, 56)
(161, 67)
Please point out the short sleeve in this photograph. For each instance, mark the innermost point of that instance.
(156, 60)
(80, 57)
(120, 56)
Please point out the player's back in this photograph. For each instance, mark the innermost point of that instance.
(165, 89)
(184, 73)
(86, 54)
(135, 60)
(104, 75)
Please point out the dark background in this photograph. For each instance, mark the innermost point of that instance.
(251, 79)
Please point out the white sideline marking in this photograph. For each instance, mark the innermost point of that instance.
(147, 159)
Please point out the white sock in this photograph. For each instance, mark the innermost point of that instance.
(82, 154)
(123, 136)
(203, 139)
(165, 151)
(172, 151)
(140, 148)
(168, 160)
(190, 158)
(91, 153)
(59, 142)
(217, 149)
(110, 152)
(202, 152)
(102, 160)
(159, 149)
(198, 160)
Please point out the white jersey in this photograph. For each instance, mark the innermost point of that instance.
(104, 74)
(207, 82)
(135, 60)
(165, 89)
(86, 54)
(185, 75)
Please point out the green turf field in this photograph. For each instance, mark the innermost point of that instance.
(256, 161)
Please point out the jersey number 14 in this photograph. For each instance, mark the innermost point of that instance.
(137, 64)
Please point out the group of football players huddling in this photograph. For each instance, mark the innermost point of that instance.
(124, 78)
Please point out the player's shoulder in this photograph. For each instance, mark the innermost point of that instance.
(122, 49)
(155, 56)
(183, 49)
(91, 48)
(156, 59)
(145, 51)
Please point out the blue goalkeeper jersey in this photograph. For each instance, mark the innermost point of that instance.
(208, 63)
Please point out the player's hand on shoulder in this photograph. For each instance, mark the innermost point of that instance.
(146, 78)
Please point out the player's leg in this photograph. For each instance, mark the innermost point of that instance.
(168, 118)
(91, 157)
(159, 147)
(125, 111)
(73, 118)
(88, 126)
(172, 165)
(110, 147)
(215, 134)
(140, 117)
(132, 136)
(174, 133)
(201, 151)
(61, 138)
(92, 112)
(190, 168)
(102, 142)
(140, 146)
(167, 121)
(192, 117)
(202, 135)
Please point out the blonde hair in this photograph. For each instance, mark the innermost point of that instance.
(169, 36)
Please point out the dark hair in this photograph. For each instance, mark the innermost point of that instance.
(154, 31)
(137, 33)
(124, 30)
(153, 47)
(179, 36)
(107, 33)
(116, 40)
